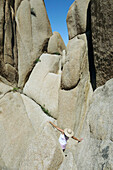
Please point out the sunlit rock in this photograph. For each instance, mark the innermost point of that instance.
(56, 44)
(44, 83)
(77, 18)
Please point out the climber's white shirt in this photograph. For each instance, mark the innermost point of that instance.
(63, 141)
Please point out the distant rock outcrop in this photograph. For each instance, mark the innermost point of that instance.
(56, 44)
(76, 62)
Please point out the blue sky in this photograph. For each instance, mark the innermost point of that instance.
(57, 12)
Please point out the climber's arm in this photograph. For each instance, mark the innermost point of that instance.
(79, 140)
(62, 131)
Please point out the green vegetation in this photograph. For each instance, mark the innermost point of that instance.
(37, 60)
(46, 111)
(57, 53)
(15, 89)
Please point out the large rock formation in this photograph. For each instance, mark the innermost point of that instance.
(8, 55)
(94, 19)
(95, 151)
(16, 130)
(75, 85)
(44, 152)
(34, 31)
(23, 127)
(102, 39)
(44, 83)
(76, 62)
(24, 33)
(54, 88)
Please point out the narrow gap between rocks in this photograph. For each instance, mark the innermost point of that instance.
(12, 27)
(45, 111)
(90, 49)
(4, 27)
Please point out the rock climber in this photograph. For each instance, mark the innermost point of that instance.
(65, 135)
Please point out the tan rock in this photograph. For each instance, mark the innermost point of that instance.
(77, 18)
(101, 117)
(56, 44)
(4, 89)
(24, 39)
(8, 49)
(74, 100)
(26, 138)
(68, 162)
(33, 30)
(5, 81)
(17, 4)
(23, 29)
(41, 28)
(11, 73)
(66, 108)
(97, 132)
(73, 105)
(49, 93)
(44, 152)
(15, 130)
(35, 114)
(76, 61)
(44, 83)
(2, 164)
(6, 42)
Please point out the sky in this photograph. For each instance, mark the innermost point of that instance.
(57, 12)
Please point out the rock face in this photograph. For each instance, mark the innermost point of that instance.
(56, 44)
(76, 88)
(8, 56)
(74, 116)
(68, 163)
(47, 155)
(55, 88)
(102, 39)
(31, 39)
(15, 131)
(101, 118)
(94, 18)
(22, 39)
(22, 128)
(98, 134)
(35, 114)
(76, 60)
(44, 83)
(77, 18)
(4, 89)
